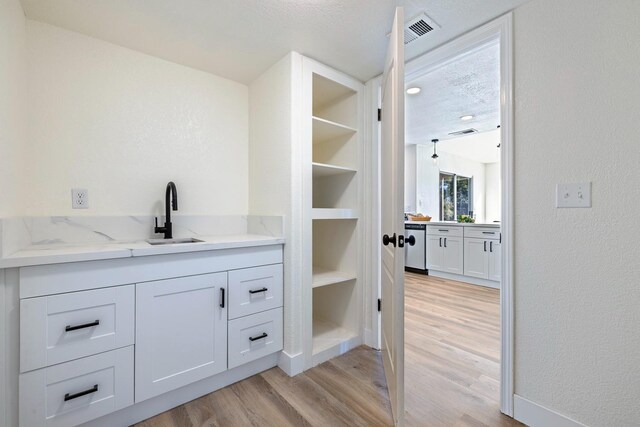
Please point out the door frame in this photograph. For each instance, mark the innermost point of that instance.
(498, 30)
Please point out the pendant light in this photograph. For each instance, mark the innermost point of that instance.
(434, 157)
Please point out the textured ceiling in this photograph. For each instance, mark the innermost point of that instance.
(469, 85)
(482, 147)
(239, 39)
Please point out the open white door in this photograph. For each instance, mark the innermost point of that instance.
(392, 217)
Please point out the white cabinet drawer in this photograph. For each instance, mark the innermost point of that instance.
(252, 290)
(255, 336)
(487, 233)
(79, 391)
(59, 328)
(444, 230)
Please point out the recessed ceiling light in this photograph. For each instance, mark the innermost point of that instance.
(467, 117)
(413, 90)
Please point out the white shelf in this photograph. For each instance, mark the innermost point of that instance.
(327, 335)
(326, 130)
(324, 277)
(323, 169)
(325, 213)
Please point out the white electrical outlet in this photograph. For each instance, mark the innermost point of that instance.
(573, 195)
(79, 198)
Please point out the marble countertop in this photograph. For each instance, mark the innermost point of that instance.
(62, 253)
(457, 224)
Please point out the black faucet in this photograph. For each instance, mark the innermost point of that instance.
(168, 228)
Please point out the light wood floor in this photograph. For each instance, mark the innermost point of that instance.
(347, 391)
(452, 366)
(452, 354)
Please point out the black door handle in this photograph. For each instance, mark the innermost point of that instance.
(400, 241)
(259, 337)
(411, 240)
(70, 396)
(386, 240)
(221, 297)
(86, 325)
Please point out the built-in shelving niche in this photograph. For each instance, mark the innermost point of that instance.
(336, 295)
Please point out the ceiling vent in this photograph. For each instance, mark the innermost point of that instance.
(464, 132)
(418, 27)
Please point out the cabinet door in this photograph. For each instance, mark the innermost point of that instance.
(453, 255)
(434, 253)
(181, 332)
(476, 263)
(495, 260)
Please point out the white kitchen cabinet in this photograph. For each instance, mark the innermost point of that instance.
(495, 260)
(445, 250)
(181, 332)
(453, 255)
(482, 256)
(434, 253)
(476, 258)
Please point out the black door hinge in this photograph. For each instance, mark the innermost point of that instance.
(379, 304)
(379, 114)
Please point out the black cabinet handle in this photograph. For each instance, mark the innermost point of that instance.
(221, 297)
(411, 240)
(444, 231)
(490, 246)
(445, 242)
(85, 325)
(441, 242)
(69, 396)
(485, 245)
(257, 291)
(386, 240)
(259, 337)
(488, 232)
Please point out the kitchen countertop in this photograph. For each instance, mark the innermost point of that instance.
(62, 253)
(455, 224)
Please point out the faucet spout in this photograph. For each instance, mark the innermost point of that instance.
(170, 202)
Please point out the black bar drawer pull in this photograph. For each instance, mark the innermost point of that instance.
(259, 337)
(221, 297)
(488, 232)
(445, 231)
(81, 393)
(257, 291)
(86, 325)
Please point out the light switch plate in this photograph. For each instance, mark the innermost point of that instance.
(573, 195)
(79, 198)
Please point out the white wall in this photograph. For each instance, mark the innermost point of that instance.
(122, 124)
(13, 115)
(428, 176)
(576, 270)
(492, 192)
(410, 178)
(271, 140)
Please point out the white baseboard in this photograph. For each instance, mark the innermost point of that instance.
(534, 415)
(465, 279)
(369, 339)
(291, 365)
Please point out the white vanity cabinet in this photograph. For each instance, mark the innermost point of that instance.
(181, 332)
(445, 250)
(110, 339)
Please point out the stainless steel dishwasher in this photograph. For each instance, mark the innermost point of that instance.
(415, 257)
